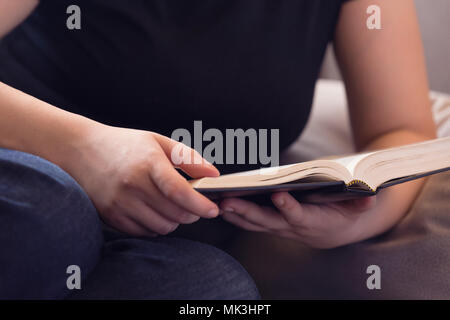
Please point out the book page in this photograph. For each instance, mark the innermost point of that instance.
(261, 171)
(350, 162)
(403, 161)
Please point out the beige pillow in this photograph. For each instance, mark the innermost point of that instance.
(441, 113)
(328, 129)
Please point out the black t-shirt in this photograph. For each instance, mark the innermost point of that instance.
(162, 64)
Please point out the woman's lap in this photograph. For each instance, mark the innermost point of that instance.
(48, 223)
(166, 268)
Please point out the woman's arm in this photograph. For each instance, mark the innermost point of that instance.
(128, 174)
(387, 89)
(384, 73)
(12, 13)
(385, 77)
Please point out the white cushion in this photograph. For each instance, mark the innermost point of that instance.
(328, 130)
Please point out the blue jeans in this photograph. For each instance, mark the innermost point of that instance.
(47, 223)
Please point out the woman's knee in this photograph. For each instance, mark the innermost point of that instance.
(47, 222)
(220, 276)
(207, 272)
(166, 268)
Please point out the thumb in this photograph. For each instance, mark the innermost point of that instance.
(186, 158)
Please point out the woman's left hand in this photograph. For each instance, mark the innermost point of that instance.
(317, 225)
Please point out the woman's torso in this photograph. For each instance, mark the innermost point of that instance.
(162, 64)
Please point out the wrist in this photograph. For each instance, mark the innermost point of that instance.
(391, 207)
(31, 125)
(70, 142)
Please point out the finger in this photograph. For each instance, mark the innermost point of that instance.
(357, 205)
(261, 216)
(292, 211)
(138, 231)
(175, 188)
(153, 198)
(187, 159)
(149, 219)
(241, 222)
(130, 227)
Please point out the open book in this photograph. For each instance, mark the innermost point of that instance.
(335, 178)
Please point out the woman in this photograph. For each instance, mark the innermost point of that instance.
(100, 102)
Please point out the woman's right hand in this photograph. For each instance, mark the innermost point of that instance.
(129, 176)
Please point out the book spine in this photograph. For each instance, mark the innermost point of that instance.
(359, 182)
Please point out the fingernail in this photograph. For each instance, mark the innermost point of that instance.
(279, 202)
(229, 209)
(213, 212)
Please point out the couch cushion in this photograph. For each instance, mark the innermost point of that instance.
(328, 130)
